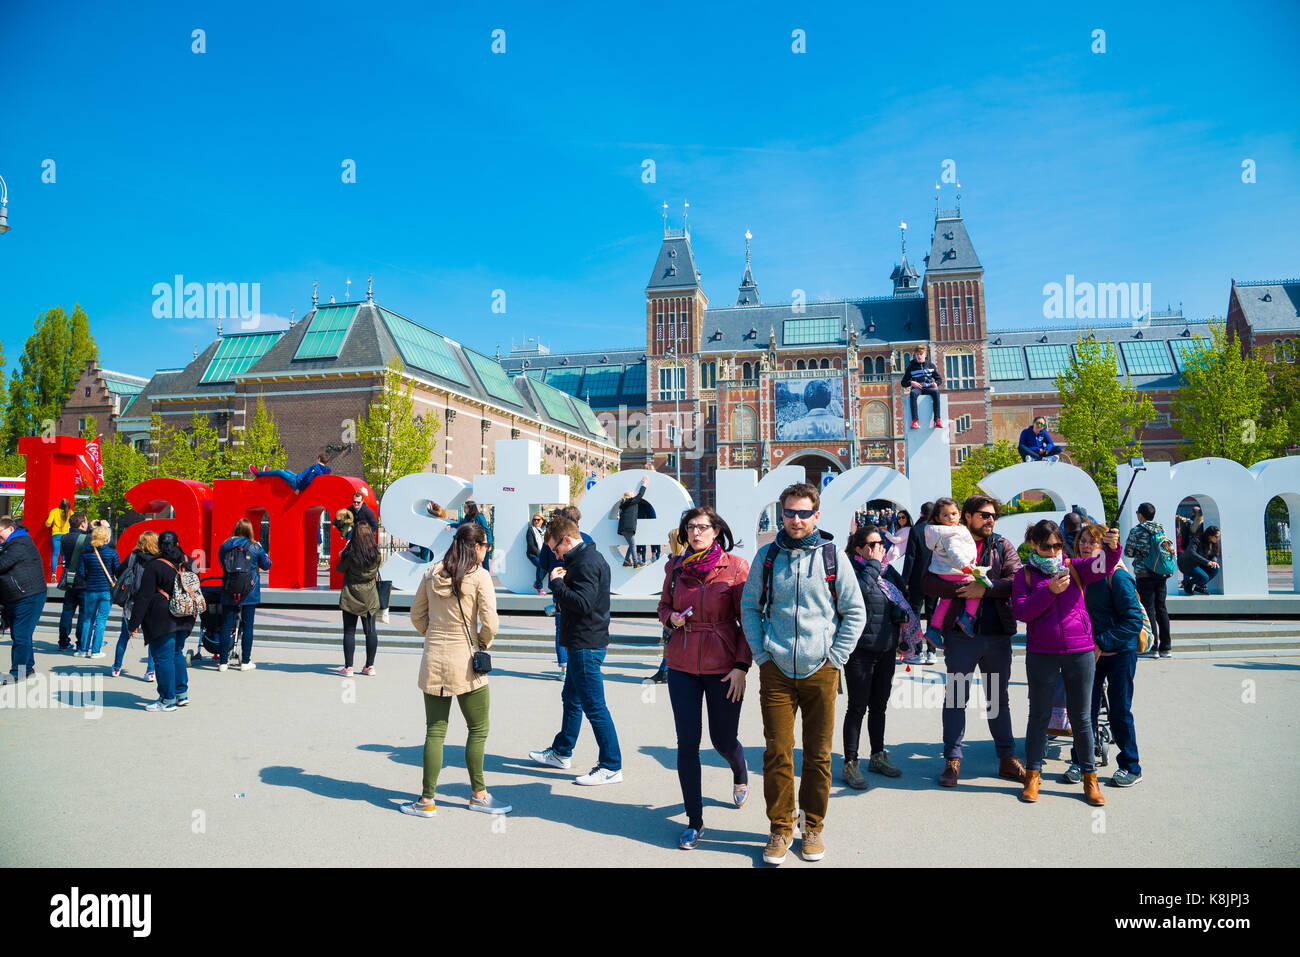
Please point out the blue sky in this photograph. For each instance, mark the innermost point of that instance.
(522, 171)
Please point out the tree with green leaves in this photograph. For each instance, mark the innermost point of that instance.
(1100, 416)
(195, 453)
(157, 444)
(52, 360)
(124, 467)
(260, 445)
(1281, 403)
(1220, 407)
(394, 440)
(982, 461)
(577, 481)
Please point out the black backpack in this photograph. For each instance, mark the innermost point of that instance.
(830, 564)
(237, 571)
(128, 583)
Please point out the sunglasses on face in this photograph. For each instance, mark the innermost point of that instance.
(798, 512)
(986, 514)
(1054, 547)
(874, 543)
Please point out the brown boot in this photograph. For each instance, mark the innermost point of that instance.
(951, 770)
(1030, 794)
(1092, 793)
(1011, 769)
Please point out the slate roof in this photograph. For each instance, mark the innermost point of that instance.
(745, 328)
(137, 413)
(675, 267)
(1161, 331)
(950, 246)
(631, 389)
(368, 342)
(1270, 306)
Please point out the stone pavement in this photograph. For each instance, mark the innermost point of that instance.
(292, 765)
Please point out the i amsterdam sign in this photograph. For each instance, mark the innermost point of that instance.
(1232, 497)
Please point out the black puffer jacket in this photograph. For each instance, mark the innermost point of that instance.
(1198, 554)
(22, 571)
(628, 512)
(152, 603)
(883, 616)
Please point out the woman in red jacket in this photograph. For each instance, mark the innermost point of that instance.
(707, 655)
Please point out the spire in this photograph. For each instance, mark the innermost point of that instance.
(347, 290)
(748, 294)
(218, 327)
(904, 275)
(686, 213)
(314, 284)
(370, 288)
(291, 318)
(665, 220)
(675, 267)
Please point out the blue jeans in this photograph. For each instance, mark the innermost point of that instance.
(561, 653)
(245, 615)
(1041, 671)
(584, 693)
(992, 655)
(290, 477)
(1198, 578)
(169, 656)
(56, 541)
(1115, 674)
(72, 607)
(537, 563)
(123, 639)
(22, 616)
(687, 692)
(94, 618)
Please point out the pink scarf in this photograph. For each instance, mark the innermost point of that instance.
(699, 564)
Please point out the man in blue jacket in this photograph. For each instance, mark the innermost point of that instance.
(802, 617)
(1036, 445)
(298, 480)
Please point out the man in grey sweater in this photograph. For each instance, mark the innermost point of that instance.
(802, 613)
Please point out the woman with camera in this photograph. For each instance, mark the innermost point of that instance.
(359, 597)
(455, 609)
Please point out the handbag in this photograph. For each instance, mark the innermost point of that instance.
(68, 580)
(480, 661)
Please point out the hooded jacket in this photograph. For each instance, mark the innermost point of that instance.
(447, 624)
(802, 631)
(22, 570)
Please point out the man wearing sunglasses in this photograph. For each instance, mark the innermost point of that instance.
(802, 613)
(1036, 445)
(988, 649)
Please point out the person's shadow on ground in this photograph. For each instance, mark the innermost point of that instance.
(288, 777)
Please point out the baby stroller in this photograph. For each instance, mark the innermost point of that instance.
(1059, 727)
(210, 626)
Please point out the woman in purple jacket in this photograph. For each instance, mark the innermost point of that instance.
(1048, 595)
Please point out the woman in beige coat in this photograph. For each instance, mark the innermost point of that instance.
(454, 595)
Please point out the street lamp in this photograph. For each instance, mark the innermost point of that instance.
(4, 202)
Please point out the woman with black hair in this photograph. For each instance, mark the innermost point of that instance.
(359, 597)
(1200, 561)
(455, 609)
(164, 633)
(707, 656)
(475, 516)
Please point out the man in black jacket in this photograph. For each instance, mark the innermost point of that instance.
(629, 510)
(581, 592)
(361, 512)
(989, 648)
(916, 562)
(923, 378)
(22, 592)
(869, 671)
(74, 595)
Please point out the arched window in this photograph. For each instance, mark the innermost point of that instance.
(747, 371)
(826, 363)
(800, 365)
(744, 424)
(880, 365)
(875, 420)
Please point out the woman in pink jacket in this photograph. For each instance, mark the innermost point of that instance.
(707, 655)
(1048, 595)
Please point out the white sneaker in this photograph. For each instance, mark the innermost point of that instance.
(223, 667)
(929, 658)
(489, 805)
(383, 618)
(247, 666)
(98, 654)
(549, 759)
(599, 775)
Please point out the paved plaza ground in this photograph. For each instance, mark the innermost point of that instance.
(293, 765)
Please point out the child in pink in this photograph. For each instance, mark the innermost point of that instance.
(953, 560)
